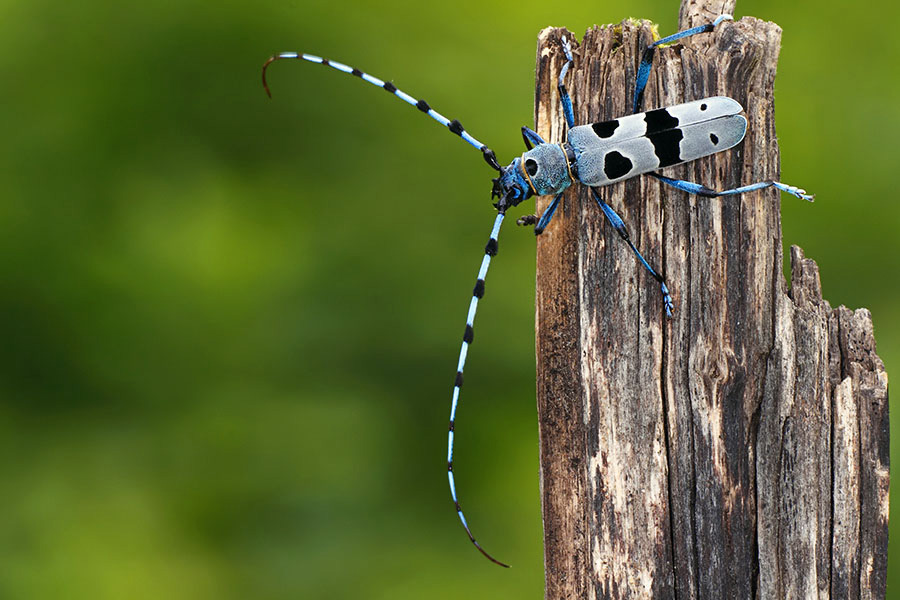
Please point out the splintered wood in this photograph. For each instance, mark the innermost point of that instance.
(739, 449)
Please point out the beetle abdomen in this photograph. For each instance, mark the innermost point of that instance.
(615, 150)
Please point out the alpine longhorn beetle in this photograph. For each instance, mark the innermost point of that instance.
(595, 155)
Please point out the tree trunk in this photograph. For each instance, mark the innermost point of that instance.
(739, 449)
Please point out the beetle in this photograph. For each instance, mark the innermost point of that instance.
(594, 155)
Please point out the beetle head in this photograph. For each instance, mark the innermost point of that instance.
(510, 187)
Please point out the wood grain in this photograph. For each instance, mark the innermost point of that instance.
(739, 449)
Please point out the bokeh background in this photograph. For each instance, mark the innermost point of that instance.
(230, 324)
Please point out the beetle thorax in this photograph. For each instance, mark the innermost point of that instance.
(547, 169)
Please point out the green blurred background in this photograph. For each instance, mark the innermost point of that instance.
(229, 324)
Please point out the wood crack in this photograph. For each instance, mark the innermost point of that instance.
(740, 449)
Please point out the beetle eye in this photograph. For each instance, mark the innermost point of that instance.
(531, 166)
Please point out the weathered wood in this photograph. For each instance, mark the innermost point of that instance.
(697, 12)
(740, 449)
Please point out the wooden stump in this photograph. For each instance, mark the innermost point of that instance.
(740, 449)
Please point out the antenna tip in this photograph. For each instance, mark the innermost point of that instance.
(264, 67)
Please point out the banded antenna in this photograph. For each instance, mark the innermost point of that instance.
(490, 249)
(454, 126)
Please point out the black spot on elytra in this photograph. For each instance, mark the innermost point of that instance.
(703, 106)
(666, 144)
(659, 120)
(615, 165)
(605, 129)
(714, 138)
(531, 166)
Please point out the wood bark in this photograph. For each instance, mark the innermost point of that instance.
(739, 449)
